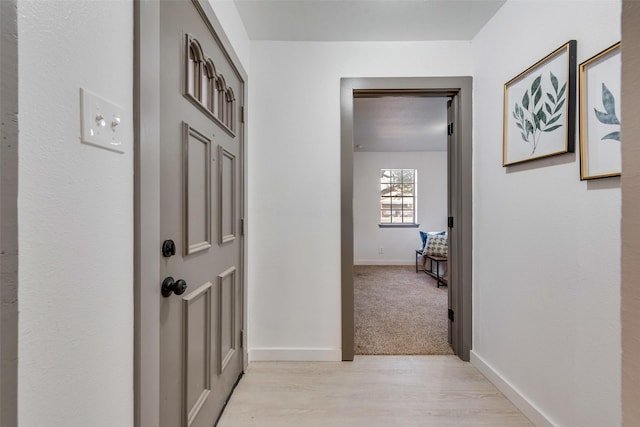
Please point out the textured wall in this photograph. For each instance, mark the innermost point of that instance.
(76, 218)
(630, 213)
(294, 182)
(546, 245)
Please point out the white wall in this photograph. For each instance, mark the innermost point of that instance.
(229, 17)
(294, 182)
(546, 245)
(399, 244)
(75, 218)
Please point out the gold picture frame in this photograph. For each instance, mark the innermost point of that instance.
(540, 108)
(600, 113)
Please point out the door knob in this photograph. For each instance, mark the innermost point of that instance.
(169, 285)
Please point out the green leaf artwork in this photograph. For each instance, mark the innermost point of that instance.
(608, 116)
(537, 114)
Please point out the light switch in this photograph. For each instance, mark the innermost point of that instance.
(101, 122)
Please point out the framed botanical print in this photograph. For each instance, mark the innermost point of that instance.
(540, 108)
(600, 89)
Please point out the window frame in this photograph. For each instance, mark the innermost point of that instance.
(414, 205)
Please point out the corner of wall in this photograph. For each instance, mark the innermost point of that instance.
(226, 12)
(511, 392)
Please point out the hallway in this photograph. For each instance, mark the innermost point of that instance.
(370, 391)
(554, 276)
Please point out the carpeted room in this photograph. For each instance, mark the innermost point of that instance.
(398, 310)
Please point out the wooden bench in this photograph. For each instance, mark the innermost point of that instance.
(418, 254)
(435, 274)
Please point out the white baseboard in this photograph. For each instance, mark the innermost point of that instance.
(531, 411)
(383, 262)
(295, 354)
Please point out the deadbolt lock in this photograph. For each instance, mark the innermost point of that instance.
(168, 248)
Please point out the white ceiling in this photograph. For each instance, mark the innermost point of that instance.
(365, 20)
(408, 123)
(380, 124)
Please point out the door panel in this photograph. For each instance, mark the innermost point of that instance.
(451, 185)
(227, 308)
(196, 364)
(227, 168)
(450, 157)
(200, 195)
(197, 190)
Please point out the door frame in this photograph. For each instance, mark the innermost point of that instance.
(460, 198)
(9, 214)
(146, 113)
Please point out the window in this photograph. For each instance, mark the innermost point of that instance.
(193, 70)
(222, 88)
(206, 83)
(206, 88)
(398, 196)
(231, 102)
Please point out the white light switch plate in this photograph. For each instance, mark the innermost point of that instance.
(102, 122)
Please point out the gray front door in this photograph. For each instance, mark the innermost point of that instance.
(200, 199)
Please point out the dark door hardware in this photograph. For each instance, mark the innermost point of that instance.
(168, 248)
(450, 312)
(169, 285)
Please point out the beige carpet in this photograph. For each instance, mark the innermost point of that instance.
(399, 311)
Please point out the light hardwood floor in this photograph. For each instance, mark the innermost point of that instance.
(370, 391)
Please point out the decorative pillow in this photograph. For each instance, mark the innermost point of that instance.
(438, 246)
(425, 236)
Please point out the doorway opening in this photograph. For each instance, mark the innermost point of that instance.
(459, 196)
(400, 201)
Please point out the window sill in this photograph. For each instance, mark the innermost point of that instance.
(398, 225)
